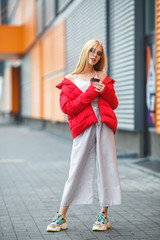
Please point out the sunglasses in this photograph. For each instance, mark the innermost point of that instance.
(99, 53)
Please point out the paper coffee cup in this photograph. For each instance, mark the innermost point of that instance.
(93, 80)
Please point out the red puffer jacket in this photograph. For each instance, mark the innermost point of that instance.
(77, 105)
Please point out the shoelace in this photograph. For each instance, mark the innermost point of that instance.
(57, 216)
(101, 217)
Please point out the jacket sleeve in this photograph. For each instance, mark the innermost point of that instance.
(109, 95)
(73, 107)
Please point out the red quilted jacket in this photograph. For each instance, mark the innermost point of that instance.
(77, 105)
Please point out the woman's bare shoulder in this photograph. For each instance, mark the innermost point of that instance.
(101, 75)
(70, 77)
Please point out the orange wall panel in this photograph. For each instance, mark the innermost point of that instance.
(47, 54)
(52, 109)
(57, 114)
(45, 97)
(47, 100)
(53, 55)
(54, 49)
(12, 40)
(35, 82)
(58, 40)
(17, 39)
(29, 11)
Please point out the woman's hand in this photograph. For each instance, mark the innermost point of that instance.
(99, 86)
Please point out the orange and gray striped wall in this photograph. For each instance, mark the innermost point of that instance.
(42, 65)
(43, 60)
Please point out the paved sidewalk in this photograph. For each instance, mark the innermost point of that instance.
(33, 169)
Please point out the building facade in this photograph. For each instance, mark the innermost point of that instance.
(42, 43)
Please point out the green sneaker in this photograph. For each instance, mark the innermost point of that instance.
(58, 223)
(102, 223)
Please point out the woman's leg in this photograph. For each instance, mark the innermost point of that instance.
(102, 222)
(63, 210)
(78, 188)
(59, 222)
(109, 187)
(104, 210)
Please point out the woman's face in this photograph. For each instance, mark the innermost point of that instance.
(95, 54)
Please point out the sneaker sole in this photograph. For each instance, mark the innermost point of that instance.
(101, 229)
(57, 229)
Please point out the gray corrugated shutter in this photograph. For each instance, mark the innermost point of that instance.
(39, 16)
(26, 87)
(87, 21)
(62, 4)
(122, 59)
(49, 11)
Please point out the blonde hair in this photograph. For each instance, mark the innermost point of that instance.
(83, 59)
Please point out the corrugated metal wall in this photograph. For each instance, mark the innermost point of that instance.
(122, 59)
(62, 4)
(26, 87)
(39, 16)
(49, 10)
(87, 21)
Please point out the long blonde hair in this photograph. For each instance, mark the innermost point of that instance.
(83, 59)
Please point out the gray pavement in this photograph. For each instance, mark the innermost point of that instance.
(34, 166)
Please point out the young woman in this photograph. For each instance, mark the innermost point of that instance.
(93, 124)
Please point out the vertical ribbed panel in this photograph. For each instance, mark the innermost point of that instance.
(122, 59)
(158, 66)
(39, 16)
(87, 21)
(62, 4)
(26, 87)
(49, 10)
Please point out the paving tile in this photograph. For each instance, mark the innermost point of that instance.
(31, 191)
